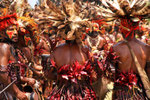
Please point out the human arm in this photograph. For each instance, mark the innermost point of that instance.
(147, 69)
(33, 62)
(50, 71)
(29, 81)
(4, 77)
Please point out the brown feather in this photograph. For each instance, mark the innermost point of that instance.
(115, 10)
(144, 11)
(53, 7)
(70, 35)
(65, 9)
(136, 8)
(61, 26)
(125, 6)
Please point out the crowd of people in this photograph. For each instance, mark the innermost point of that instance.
(75, 50)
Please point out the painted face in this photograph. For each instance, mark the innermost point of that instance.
(12, 33)
(27, 40)
(96, 27)
(93, 34)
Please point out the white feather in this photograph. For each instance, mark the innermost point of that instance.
(133, 3)
(104, 2)
(117, 4)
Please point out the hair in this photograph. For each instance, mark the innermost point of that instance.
(3, 36)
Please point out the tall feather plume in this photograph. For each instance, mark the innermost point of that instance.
(128, 7)
(138, 8)
(145, 9)
(69, 18)
(128, 13)
(115, 10)
(20, 7)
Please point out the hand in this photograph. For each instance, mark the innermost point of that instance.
(37, 67)
(21, 96)
(39, 73)
(50, 74)
(94, 75)
(31, 81)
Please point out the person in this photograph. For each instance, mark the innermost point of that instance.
(69, 63)
(34, 69)
(141, 50)
(98, 46)
(70, 55)
(9, 31)
(128, 83)
(43, 48)
(14, 58)
(95, 41)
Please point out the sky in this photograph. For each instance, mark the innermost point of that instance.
(32, 2)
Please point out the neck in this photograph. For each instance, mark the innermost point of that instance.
(70, 41)
(131, 36)
(91, 42)
(130, 39)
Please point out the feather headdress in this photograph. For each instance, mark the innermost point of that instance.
(130, 13)
(21, 17)
(69, 18)
(25, 22)
(7, 20)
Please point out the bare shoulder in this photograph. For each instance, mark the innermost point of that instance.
(4, 47)
(146, 46)
(141, 43)
(117, 46)
(60, 47)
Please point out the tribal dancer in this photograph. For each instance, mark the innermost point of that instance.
(95, 41)
(46, 44)
(99, 48)
(133, 54)
(9, 37)
(70, 63)
(14, 60)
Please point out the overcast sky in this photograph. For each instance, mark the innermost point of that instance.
(32, 2)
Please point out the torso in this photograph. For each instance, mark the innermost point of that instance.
(11, 56)
(68, 54)
(127, 63)
(5, 48)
